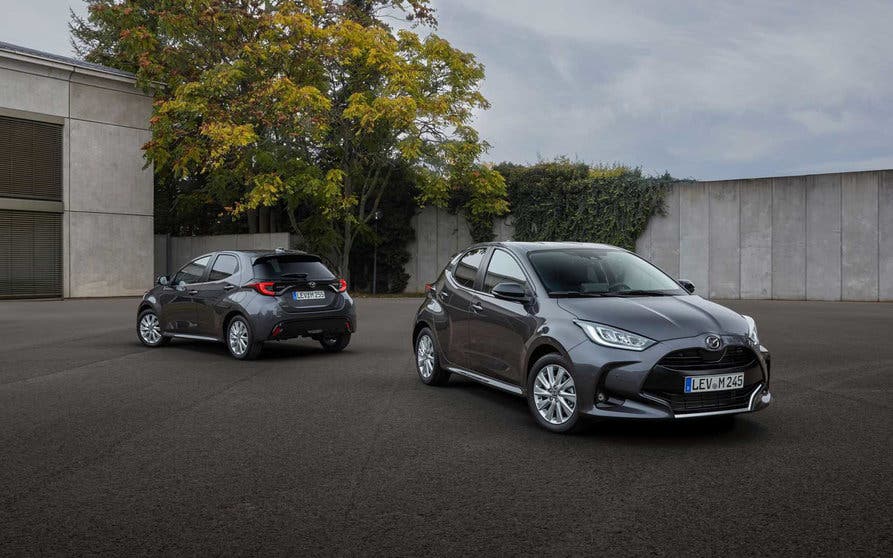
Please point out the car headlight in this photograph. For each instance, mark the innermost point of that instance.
(613, 337)
(751, 330)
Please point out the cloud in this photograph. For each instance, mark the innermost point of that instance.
(703, 89)
(709, 90)
(39, 24)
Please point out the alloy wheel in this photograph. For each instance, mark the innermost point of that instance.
(425, 356)
(150, 329)
(555, 394)
(238, 337)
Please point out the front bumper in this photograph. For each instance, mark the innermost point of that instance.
(614, 383)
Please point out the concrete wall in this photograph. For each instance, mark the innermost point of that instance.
(439, 235)
(107, 193)
(172, 252)
(815, 237)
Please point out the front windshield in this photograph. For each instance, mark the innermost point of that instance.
(599, 271)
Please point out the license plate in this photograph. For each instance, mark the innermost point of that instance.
(308, 295)
(717, 382)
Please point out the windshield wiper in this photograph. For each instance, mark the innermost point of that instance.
(640, 292)
(572, 294)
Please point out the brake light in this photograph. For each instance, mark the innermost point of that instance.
(429, 288)
(342, 286)
(264, 287)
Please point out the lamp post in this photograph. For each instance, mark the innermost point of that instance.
(376, 217)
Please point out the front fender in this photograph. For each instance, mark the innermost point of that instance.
(560, 336)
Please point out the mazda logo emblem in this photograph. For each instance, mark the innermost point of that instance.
(713, 342)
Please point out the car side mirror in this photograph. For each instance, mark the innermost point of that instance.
(162, 280)
(687, 285)
(510, 291)
(181, 286)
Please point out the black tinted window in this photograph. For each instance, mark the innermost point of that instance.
(467, 268)
(193, 271)
(292, 267)
(598, 270)
(503, 269)
(224, 266)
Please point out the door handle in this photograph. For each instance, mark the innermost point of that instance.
(193, 292)
(229, 287)
(477, 307)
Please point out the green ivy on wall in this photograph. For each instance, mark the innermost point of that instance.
(564, 200)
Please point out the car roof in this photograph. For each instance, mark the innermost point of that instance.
(258, 254)
(525, 247)
(276, 252)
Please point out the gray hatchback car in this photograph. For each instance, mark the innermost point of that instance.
(244, 298)
(587, 330)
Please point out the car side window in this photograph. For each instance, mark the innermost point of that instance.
(224, 266)
(467, 267)
(503, 269)
(192, 272)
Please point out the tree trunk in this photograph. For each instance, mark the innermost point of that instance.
(346, 245)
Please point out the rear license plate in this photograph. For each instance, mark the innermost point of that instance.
(308, 295)
(717, 382)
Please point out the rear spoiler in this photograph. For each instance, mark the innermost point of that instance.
(294, 256)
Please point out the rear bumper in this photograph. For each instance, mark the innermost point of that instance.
(312, 327)
(272, 321)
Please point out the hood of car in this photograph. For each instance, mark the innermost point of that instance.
(658, 317)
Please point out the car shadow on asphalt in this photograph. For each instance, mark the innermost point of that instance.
(271, 350)
(711, 430)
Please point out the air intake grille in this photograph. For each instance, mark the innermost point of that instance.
(733, 356)
(709, 401)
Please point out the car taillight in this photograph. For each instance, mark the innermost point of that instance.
(264, 287)
(429, 288)
(342, 286)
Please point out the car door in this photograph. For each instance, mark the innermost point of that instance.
(210, 295)
(499, 329)
(455, 296)
(178, 298)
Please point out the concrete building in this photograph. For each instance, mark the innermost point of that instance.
(76, 210)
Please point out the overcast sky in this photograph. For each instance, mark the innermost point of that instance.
(701, 89)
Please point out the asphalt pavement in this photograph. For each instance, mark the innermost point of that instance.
(108, 447)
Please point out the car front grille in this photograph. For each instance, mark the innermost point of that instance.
(733, 356)
(707, 401)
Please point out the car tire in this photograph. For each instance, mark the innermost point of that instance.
(552, 400)
(334, 343)
(427, 361)
(148, 329)
(240, 341)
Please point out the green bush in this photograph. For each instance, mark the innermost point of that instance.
(564, 200)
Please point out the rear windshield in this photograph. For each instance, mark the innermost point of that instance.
(292, 267)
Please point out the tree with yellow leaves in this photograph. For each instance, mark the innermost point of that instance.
(308, 103)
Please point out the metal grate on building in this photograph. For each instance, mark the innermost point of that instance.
(30, 241)
(30, 254)
(30, 159)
